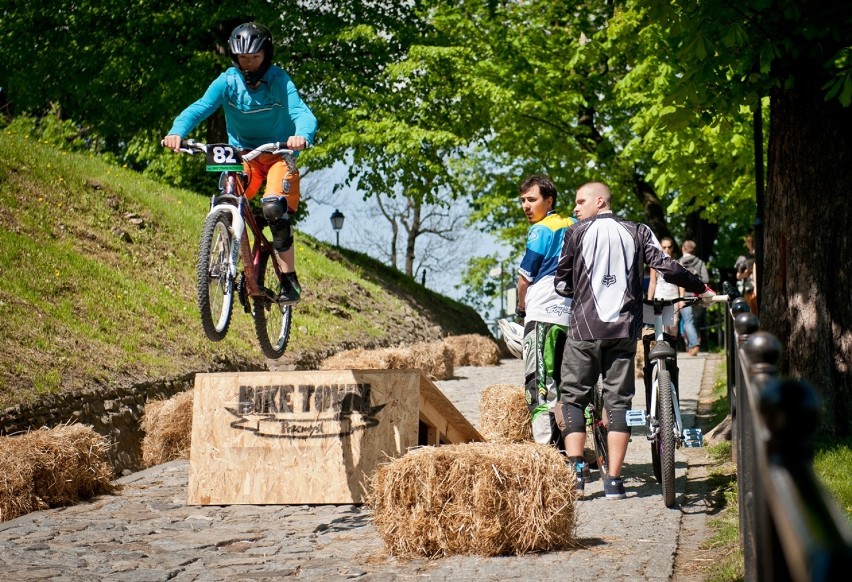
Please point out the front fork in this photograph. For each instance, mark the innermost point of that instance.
(653, 422)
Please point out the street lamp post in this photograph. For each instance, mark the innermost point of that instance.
(337, 219)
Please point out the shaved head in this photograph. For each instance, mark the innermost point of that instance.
(592, 198)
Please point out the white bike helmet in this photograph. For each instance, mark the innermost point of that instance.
(513, 335)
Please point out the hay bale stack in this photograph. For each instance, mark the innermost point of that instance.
(168, 429)
(473, 350)
(503, 414)
(433, 358)
(474, 499)
(52, 467)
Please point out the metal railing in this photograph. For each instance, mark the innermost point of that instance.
(790, 527)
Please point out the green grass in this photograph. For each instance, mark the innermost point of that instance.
(97, 283)
(728, 564)
(720, 407)
(833, 466)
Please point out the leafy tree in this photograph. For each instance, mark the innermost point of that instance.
(797, 54)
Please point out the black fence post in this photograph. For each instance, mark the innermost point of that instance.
(790, 528)
(745, 324)
(763, 351)
(738, 305)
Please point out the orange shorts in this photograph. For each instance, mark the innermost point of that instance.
(280, 178)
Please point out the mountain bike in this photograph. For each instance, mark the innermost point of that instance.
(232, 237)
(664, 423)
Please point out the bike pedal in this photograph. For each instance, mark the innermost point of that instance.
(635, 417)
(693, 438)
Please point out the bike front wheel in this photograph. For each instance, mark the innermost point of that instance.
(214, 281)
(666, 438)
(271, 320)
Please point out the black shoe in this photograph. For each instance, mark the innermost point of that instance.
(291, 290)
(614, 488)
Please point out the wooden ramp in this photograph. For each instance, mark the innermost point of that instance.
(310, 437)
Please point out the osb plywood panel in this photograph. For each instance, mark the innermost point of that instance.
(437, 411)
(304, 437)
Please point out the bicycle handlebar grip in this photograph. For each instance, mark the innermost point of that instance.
(716, 299)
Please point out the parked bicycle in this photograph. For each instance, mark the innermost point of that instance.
(596, 424)
(235, 257)
(664, 423)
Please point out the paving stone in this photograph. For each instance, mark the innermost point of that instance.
(146, 532)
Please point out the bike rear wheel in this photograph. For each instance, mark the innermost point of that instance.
(215, 286)
(600, 432)
(666, 437)
(271, 320)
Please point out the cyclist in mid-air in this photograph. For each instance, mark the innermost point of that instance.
(261, 105)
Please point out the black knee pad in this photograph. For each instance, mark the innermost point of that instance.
(617, 421)
(275, 212)
(575, 419)
(274, 208)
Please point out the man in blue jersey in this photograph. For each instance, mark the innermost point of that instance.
(544, 312)
(601, 268)
(261, 105)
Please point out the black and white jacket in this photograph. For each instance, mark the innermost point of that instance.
(601, 269)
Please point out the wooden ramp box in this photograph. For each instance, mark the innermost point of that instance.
(309, 437)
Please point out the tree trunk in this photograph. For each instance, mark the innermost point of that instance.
(413, 233)
(704, 234)
(806, 299)
(217, 132)
(655, 216)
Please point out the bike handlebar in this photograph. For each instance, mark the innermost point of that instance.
(687, 300)
(190, 146)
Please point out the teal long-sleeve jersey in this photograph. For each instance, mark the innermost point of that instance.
(271, 113)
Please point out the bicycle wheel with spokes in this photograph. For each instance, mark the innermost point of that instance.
(214, 281)
(600, 432)
(271, 320)
(666, 437)
(655, 443)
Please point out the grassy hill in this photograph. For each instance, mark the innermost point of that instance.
(97, 284)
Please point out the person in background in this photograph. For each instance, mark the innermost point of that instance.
(545, 313)
(688, 314)
(748, 240)
(659, 288)
(600, 269)
(746, 280)
(261, 105)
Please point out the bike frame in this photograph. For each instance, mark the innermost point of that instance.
(658, 363)
(233, 200)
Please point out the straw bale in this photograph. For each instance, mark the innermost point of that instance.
(503, 414)
(639, 360)
(433, 358)
(473, 350)
(52, 467)
(168, 429)
(474, 499)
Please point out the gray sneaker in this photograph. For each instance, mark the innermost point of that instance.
(614, 488)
